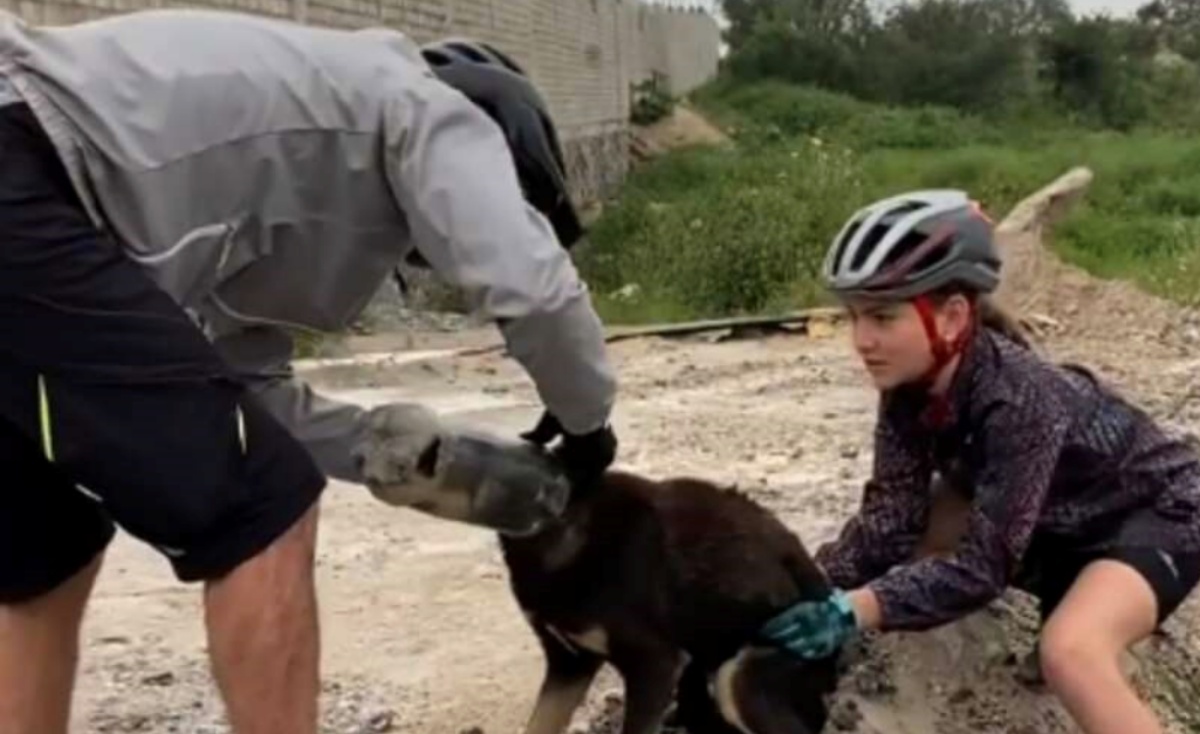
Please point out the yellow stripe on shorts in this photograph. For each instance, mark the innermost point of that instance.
(44, 420)
(241, 424)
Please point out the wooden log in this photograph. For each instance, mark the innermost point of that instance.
(686, 328)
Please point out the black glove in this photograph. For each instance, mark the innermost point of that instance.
(584, 458)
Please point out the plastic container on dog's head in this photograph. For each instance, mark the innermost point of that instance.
(411, 458)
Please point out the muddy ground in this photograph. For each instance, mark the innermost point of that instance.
(420, 634)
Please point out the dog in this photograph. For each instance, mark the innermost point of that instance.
(669, 582)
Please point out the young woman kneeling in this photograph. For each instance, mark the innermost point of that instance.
(1076, 495)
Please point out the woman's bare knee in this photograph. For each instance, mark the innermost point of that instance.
(1108, 609)
(1066, 656)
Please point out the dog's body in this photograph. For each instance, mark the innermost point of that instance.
(670, 582)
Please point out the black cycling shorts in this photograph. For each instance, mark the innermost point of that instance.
(115, 410)
(1055, 567)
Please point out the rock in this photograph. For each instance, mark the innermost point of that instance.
(385, 721)
(490, 572)
(161, 679)
(1043, 321)
(962, 695)
(627, 292)
(845, 715)
(1029, 671)
(134, 722)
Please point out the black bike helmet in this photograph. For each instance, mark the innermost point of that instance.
(498, 85)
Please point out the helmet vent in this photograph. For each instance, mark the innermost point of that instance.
(436, 58)
(844, 243)
(905, 247)
(504, 58)
(471, 53)
(869, 242)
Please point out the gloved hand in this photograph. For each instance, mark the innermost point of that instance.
(584, 458)
(813, 629)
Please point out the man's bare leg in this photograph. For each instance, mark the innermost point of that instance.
(264, 639)
(39, 650)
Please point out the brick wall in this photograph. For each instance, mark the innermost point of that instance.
(584, 54)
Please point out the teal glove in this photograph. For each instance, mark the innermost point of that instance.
(813, 629)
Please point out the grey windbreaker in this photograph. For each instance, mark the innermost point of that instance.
(269, 175)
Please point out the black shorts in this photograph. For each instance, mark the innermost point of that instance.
(1053, 568)
(115, 410)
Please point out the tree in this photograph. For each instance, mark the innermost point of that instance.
(1092, 74)
(818, 42)
(1175, 23)
(816, 17)
(1025, 18)
(744, 16)
(962, 53)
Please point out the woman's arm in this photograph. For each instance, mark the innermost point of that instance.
(1022, 440)
(892, 513)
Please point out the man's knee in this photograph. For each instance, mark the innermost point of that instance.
(258, 496)
(61, 602)
(300, 539)
(292, 553)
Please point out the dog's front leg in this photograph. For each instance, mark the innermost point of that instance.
(650, 673)
(569, 674)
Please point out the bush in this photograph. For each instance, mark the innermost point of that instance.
(740, 236)
(711, 232)
(771, 112)
(651, 100)
(1000, 57)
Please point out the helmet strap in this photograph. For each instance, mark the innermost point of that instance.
(944, 351)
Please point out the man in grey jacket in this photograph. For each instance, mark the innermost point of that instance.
(177, 190)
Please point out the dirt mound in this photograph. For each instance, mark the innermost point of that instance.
(422, 635)
(1054, 296)
(683, 128)
(180, 697)
(969, 677)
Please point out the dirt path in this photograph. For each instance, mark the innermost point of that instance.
(421, 635)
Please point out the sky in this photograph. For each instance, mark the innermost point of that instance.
(1114, 7)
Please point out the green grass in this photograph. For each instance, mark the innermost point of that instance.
(720, 231)
(713, 232)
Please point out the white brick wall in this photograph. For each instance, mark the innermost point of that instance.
(584, 54)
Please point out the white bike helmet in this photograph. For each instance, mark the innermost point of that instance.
(908, 245)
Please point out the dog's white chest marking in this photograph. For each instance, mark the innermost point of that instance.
(592, 639)
(722, 689)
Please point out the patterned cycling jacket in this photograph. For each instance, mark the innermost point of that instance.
(1048, 451)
